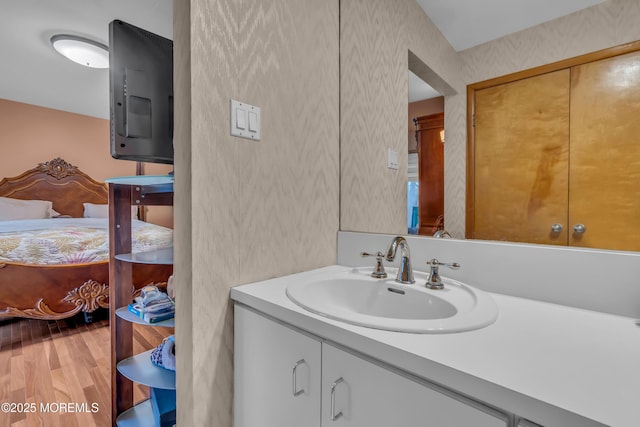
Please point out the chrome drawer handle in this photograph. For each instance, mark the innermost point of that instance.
(294, 374)
(335, 416)
(556, 228)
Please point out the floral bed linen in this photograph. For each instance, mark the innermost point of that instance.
(71, 240)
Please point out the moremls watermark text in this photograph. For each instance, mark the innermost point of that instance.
(50, 407)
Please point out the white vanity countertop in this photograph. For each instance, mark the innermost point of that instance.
(537, 358)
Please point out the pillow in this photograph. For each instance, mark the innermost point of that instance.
(92, 210)
(24, 209)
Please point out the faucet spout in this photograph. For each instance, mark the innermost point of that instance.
(405, 272)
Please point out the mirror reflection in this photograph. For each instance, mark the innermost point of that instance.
(373, 96)
(425, 139)
(552, 155)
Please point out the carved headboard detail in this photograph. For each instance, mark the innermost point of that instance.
(61, 182)
(58, 168)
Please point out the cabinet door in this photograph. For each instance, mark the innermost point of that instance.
(276, 374)
(520, 181)
(356, 392)
(605, 153)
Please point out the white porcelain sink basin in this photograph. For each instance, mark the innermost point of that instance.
(355, 297)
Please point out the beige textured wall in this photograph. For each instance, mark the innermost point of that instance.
(182, 270)
(256, 209)
(611, 23)
(375, 40)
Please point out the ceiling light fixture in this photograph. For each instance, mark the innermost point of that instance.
(82, 50)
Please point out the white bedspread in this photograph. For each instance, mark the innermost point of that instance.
(71, 240)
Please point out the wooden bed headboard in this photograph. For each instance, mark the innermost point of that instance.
(60, 182)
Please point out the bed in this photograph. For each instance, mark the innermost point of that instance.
(56, 267)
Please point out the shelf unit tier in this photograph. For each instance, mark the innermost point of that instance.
(125, 192)
(147, 190)
(162, 256)
(139, 368)
(142, 180)
(140, 415)
(124, 313)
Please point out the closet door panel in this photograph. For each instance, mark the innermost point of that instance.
(521, 159)
(604, 192)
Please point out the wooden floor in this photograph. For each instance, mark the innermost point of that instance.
(45, 365)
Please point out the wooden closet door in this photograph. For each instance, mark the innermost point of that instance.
(604, 189)
(521, 158)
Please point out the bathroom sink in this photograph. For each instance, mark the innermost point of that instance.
(356, 298)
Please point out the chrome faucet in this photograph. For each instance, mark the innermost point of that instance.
(378, 271)
(435, 281)
(405, 273)
(442, 234)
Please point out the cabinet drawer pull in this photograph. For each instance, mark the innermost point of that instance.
(335, 416)
(295, 390)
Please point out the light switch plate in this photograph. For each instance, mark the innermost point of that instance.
(241, 115)
(392, 159)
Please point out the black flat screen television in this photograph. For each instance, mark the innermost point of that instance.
(141, 94)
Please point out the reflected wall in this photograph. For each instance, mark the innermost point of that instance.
(375, 41)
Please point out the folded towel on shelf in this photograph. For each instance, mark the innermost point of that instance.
(151, 295)
(164, 355)
(152, 305)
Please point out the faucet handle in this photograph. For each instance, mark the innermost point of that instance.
(434, 262)
(378, 271)
(435, 281)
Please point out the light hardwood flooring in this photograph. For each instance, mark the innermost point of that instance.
(47, 364)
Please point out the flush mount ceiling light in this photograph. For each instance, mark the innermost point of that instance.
(82, 50)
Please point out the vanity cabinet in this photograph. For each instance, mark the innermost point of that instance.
(359, 393)
(277, 374)
(284, 377)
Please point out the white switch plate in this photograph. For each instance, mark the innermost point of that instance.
(241, 115)
(392, 159)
